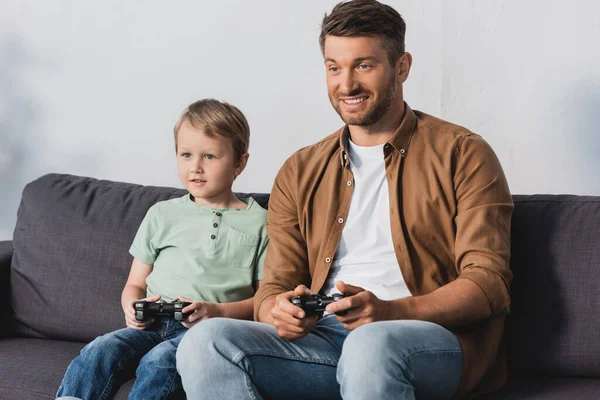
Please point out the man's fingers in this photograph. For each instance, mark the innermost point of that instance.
(348, 289)
(283, 315)
(355, 301)
(301, 290)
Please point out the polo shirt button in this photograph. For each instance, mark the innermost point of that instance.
(402, 151)
(349, 183)
(219, 214)
(213, 237)
(341, 220)
(215, 225)
(328, 260)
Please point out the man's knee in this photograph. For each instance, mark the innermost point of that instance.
(204, 336)
(372, 344)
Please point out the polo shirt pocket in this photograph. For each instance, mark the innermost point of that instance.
(241, 248)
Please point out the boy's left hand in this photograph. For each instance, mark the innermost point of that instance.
(200, 310)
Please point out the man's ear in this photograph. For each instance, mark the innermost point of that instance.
(241, 164)
(403, 66)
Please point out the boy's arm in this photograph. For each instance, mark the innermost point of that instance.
(239, 309)
(202, 310)
(134, 290)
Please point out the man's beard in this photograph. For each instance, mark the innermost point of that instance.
(376, 113)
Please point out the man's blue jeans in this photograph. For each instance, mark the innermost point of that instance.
(112, 358)
(233, 359)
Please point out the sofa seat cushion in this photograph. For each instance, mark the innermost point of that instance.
(548, 388)
(32, 369)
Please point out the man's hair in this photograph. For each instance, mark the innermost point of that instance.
(216, 118)
(366, 18)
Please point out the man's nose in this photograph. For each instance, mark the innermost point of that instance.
(348, 84)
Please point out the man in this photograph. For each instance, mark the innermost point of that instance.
(407, 214)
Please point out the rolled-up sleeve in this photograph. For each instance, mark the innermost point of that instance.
(484, 210)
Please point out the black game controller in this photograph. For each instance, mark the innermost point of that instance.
(144, 310)
(315, 303)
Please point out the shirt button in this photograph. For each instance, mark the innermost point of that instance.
(349, 183)
(219, 214)
(215, 225)
(341, 220)
(328, 260)
(213, 237)
(402, 151)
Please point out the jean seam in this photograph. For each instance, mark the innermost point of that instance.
(249, 386)
(453, 351)
(169, 387)
(242, 355)
(118, 368)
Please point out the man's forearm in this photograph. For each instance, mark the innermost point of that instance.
(458, 303)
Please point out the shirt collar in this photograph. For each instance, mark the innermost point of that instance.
(400, 141)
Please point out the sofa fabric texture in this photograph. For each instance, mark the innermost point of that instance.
(62, 275)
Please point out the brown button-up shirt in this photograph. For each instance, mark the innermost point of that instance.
(450, 212)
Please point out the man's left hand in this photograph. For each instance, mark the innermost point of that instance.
(362, 305)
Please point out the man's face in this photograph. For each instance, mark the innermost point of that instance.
(361, 83)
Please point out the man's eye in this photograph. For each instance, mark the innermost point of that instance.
(209, 156)
(333, 69)
(364, 66)
(186, 155)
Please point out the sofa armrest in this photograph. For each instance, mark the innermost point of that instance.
(6, 252)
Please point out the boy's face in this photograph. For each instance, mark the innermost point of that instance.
(206, 165)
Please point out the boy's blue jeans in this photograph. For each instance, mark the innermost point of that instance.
(233, 359)
(112, 358)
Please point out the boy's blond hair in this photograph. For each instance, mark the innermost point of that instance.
(216, 118)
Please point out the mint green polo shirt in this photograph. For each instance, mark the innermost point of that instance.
(202, 253)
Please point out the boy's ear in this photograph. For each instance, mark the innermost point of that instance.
(241, 164)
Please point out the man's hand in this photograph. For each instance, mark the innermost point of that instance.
(130, 320)
(291, 321)
(200, 310)
(363, 307)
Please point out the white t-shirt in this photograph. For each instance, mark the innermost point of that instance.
(365, 254)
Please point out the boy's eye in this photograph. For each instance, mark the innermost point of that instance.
(209, 156)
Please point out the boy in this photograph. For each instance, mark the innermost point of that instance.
(207, 245)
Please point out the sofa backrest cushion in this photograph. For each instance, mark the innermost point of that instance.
(71, 254)
(554, 328)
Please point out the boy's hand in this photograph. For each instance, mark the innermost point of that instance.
(290, 320)
(130, 320)
(200, 310)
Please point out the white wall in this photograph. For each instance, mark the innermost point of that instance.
(94, 88)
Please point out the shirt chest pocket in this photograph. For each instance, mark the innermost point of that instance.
(240, 248)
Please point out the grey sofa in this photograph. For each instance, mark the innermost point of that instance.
(62, 274)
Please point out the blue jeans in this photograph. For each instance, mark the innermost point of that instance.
(112, 358)
(233, 359)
